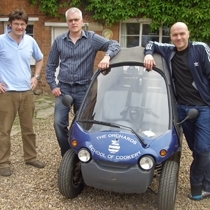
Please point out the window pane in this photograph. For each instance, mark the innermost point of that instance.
(147, 31)
(129, 34)
(166, 35)
(139, 34)
(148, 35)
(166, 31)
(30, 30)
(132, 34)
(166, 40)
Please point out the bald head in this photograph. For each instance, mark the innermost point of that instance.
(180, 35)
(179, 25)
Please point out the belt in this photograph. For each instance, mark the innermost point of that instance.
(76, 84)
(17, 91)
(73, 84)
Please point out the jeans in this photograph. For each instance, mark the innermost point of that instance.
(61, 113)
(197, 134)
(12, 103)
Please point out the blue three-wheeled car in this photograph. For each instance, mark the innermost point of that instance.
(125, 132)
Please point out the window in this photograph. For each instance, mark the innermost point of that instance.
(139, 34)
(30, 30)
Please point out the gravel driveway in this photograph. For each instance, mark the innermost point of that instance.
(36, 189)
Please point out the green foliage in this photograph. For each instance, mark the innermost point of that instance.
(49, 7)
(195, 13)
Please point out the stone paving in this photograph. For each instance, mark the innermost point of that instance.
(44, 107)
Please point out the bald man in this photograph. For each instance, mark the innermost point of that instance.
(189, 66)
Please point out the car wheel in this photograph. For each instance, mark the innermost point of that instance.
(70, 182)
(168, 185)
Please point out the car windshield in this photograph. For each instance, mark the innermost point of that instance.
(128, 96)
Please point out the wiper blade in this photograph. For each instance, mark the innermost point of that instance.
(115, 125)
(100, 123)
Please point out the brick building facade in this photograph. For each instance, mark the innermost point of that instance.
(42, 30)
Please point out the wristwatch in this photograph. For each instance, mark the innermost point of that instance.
(37, 77)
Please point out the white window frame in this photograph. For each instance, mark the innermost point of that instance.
(141, 22)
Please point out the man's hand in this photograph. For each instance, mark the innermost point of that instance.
(34, 83)
(56, 92)
(104, 63)
(2, 88)
(149, 62)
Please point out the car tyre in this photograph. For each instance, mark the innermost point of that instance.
(168, 185)
(70, 182)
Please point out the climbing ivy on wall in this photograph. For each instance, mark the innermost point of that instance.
(195, 13)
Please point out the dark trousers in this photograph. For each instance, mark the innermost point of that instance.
(197, 134)
(61, 114)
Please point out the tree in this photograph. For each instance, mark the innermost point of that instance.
(195, 13)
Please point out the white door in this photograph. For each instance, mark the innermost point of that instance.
(56, 31)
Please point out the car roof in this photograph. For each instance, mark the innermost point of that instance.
(136, 55)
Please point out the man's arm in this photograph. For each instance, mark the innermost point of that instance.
(37, 72)
(149, 62)
(110, 47)
(52, 64)
(155, 47)
(113, 49)
(38, 67)
(2, 87)
(206, 60)
(104, 63)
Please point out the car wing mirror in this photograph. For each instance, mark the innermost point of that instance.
(192, 114)
(67, 100)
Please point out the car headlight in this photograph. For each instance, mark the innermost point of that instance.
(146, 162)
(84, 155)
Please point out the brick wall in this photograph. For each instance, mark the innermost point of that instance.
(42, 33)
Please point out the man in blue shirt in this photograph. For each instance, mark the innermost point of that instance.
(74, 52)
(189, 65)
(16, 85)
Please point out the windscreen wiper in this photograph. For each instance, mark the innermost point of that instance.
(115, 125)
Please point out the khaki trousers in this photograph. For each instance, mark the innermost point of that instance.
(11, 104)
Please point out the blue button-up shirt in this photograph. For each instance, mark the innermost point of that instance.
(76, 61)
